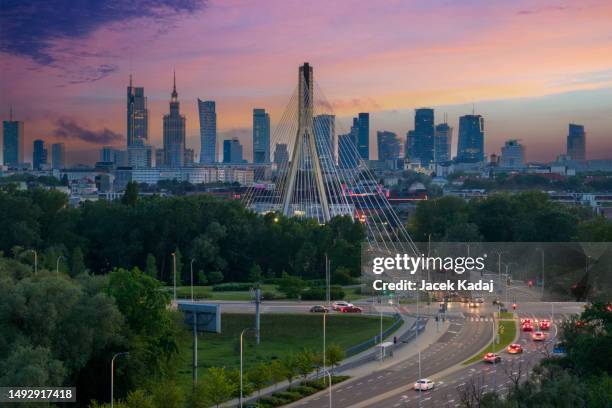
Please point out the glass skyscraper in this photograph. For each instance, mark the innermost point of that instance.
(388, 145)
(363, 138)
(470, 147)
(232, 151)
(261, 136)
(39, 154)
(12, 141)
(58, 156)
(174, 133)
(281, 155)
(208, 131)
(443, 141)
(420, 141)
(137, 116)
(576, 142)
(325, 137)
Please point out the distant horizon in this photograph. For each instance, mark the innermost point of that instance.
(529, 68)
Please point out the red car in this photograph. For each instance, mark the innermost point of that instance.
(515, 348)
(544, 324)
(491, 358)
(350, 309)
(526, 321)
(527, 327)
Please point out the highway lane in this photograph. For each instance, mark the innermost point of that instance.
(482, 376)
(464, 338)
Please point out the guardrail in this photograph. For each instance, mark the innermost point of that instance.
(351, 351)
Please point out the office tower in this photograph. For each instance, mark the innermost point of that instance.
(420, 141)
(120, 158)
(576, 142)
(325, 137)
(39, 155)
(388, 145)
(208, 131)
(443, 141)
(189, 157)
(363, 135)
(261, 136)
(348, 156)
(140, 156)
(12, 141)
(107, 154)
(174, 133)
(470, 148)
(137, 116)
(58, 156)
(281, 155)
(512, 154)
(232, 151)
(159, 158)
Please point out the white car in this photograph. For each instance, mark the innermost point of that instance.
(423, 384)
(340, 304)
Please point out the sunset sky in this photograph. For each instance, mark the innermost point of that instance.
(529, 67)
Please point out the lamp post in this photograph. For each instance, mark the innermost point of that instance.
(326, 372)
(35, 261)
(542, 252)
(57, 264)
(125, 353)
(241, 362)
(192, 261)
(174, 272)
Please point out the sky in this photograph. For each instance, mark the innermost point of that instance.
(529, 67)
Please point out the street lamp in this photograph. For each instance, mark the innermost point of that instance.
(192, 279)
(174, 271)
(542, 252)
(35, 261)
(326, 372)
(241, 363)
(57, 264)
(125, 353)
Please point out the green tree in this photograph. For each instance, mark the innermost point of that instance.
(77, 262)
(291, 368)
(277, 371)
(215, 277)
(216, 389)
(130, 196)
(291, 286)
(139, 399)
(255, 273)
(178, 263)
(334, 355)
(305, 362)
(151, 267)
(259, 376)
(168, 395)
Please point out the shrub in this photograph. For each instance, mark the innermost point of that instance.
(268, 295)
(304, 390)
(335, 293)
(232, 287)
(288, 396)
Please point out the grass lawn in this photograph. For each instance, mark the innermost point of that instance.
(206, 292)
(506, 315)
(504, 340)
(281, 335)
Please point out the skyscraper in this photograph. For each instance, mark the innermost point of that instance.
(443, 141)
(261, 136)
(12, 141)
(325, 137)
(470, 148)
(576, 142)
(208, 131)
(174, 133)
(363, 139)
(281, 155)
(232, 151)
(347, 151)
(137, 115)
(512, 154)
(107, 154)
(140, 156)
(420, 141)
(58, 156)
(39, 154)
(388, 145)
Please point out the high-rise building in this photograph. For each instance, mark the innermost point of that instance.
(261, 136)
(174, 133)
(39, 155)
(443, 141)
(208, 131)
(576, 142)
(420, 141)
(363, 139)
(189, 157)
(12, 141)
(140, 156)
(232, 151)
(388, 145)
(107, 154)
(281, 155)
(137, 116)
(512, 154)
(470, 148)
(325, 137)
(348, 156)
(58, 156)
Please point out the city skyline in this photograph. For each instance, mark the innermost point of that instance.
(510, 65)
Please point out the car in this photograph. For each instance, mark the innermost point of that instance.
(514, 348)
(491, 358)
(527, 327)
(424, 384)
(341, 303)
(473, 304)
(318, 309)
(523, 321)
(479, 300)
(544, 324)
(538, 336)
(350, 309)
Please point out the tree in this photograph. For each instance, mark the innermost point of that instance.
(216, 389)
(178, 263)
(168, 395)
(77, 262)
(291, 286)
(255, 273)
(215, 277)
(277, 371)
(139, 399)
(291, 370)
(304, 363)
(151, 267)
(334, 355)
(130, 196)
(260, 376)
